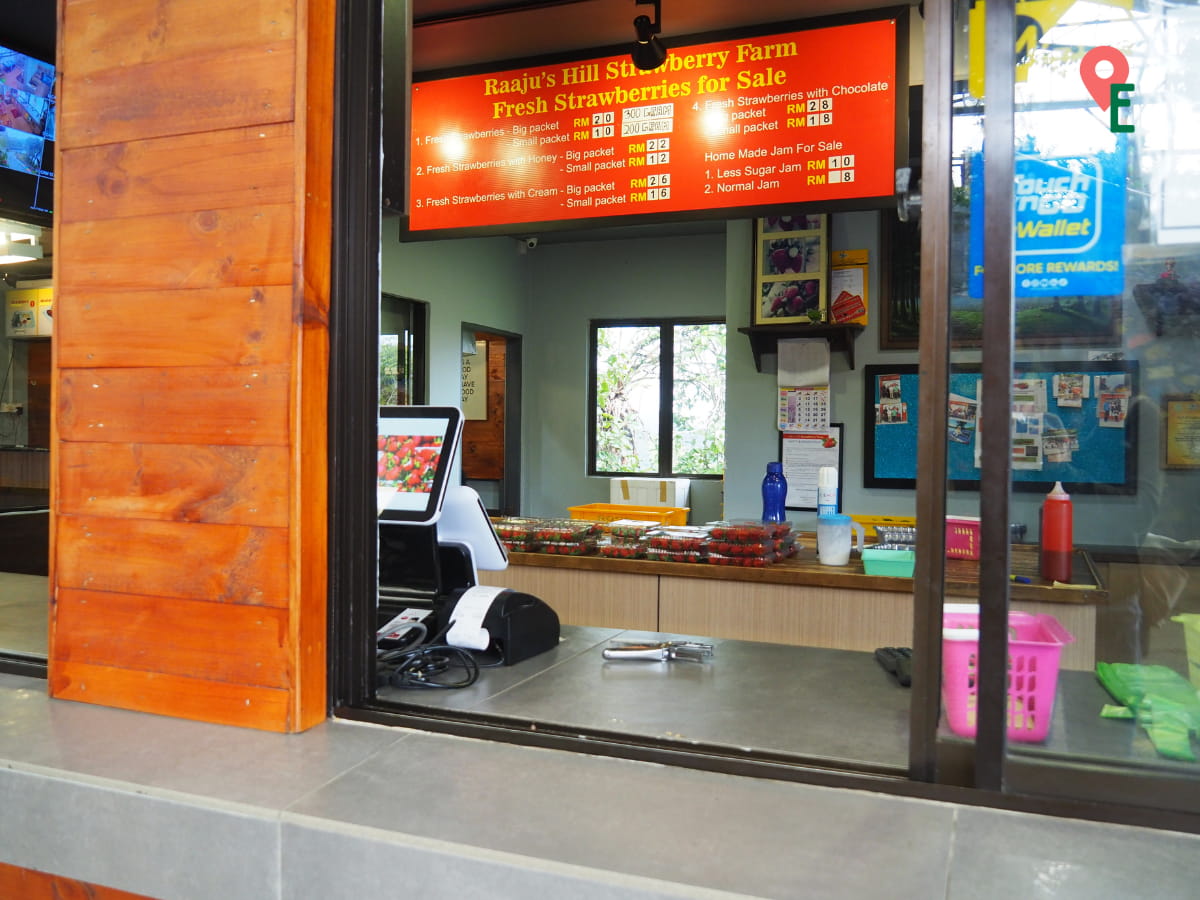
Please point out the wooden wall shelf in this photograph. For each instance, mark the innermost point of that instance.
(763, 338)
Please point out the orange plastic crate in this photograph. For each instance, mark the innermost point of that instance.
(610, 512)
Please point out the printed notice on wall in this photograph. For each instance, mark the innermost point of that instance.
(803, 116)
(803, 454)
(474, 383)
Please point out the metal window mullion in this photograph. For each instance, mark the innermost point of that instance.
(666, 399)
(928, 580)
(996, 399)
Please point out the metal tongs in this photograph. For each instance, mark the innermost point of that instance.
(658, 650)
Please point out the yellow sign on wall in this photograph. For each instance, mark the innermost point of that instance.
(1034, 19)
(26, 310)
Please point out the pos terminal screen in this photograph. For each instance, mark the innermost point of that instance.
(416, 447)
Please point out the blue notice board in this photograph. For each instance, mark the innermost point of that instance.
(1072, 422)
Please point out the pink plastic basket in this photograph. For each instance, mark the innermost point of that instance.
(1035, 643)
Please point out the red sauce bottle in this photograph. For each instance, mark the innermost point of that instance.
(1056, 535)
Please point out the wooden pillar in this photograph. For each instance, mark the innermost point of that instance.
(188, 475)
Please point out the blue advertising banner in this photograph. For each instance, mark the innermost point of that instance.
(1070, 225)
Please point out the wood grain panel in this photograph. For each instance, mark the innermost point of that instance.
(29, 884)
(131, 32)
(778, 614)
(222, 563)
(172, 695)
(240, 86)
(38, 377)
(178, 174)
(208, 248)
(310, 539)
(201, 405)
(177, 637)
(587, 598)
(828, 617)
(25, 469)
(194, 483)
(238, 326)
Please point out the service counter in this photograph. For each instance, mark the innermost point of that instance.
(797, 601)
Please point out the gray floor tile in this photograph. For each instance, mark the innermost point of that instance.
(178, 755)
(331, 865)
(1000, 855)
(149, 845)
(650, 821)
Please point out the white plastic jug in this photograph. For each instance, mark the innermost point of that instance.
(833, 539)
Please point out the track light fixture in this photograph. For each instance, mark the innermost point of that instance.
(649, 52)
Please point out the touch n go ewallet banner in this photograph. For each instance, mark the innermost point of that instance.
(1069, 220)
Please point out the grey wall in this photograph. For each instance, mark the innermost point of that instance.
(550, 294)
(570, 284)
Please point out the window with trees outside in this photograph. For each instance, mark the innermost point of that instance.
(658, 397)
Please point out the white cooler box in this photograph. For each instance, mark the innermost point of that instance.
(649, 491)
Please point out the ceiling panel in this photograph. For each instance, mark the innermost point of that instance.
(472, 33)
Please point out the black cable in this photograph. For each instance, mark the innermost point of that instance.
(430, 665)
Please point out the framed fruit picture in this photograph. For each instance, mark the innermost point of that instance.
(791, 269)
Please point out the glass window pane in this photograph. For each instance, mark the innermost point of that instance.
(628, 375)
(1106, 297)
(698, 408)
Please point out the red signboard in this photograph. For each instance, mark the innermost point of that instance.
(802, 117)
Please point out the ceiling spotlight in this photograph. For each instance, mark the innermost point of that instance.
(649, 52)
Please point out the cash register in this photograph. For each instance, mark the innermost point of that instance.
(434, 537)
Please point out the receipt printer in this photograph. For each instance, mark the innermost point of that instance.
(516, 625)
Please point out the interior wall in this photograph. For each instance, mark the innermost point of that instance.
(550, 294)
(571, 284)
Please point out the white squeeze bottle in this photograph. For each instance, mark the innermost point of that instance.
(827, 489)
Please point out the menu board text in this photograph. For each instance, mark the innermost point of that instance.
(807, 116)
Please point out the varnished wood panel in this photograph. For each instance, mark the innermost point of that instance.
(249, 85)
(309, 534)
(237, 326)
(201, 405)
(811, 617)
(24, 469)
(192, 254)
(196, 483)
(207, 248)
(828, 617)
(179, 174)
(587, 598)
(29, 884)
(37, 401)
(222, 563)
(132, 32)
(172, 695)
(177, 637)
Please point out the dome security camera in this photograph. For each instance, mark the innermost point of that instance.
(531, 243)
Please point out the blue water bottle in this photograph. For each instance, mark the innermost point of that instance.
(774, 493)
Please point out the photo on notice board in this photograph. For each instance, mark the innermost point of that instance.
(791, 269)
(1059, 427)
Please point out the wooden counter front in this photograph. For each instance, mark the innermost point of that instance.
(797, 601)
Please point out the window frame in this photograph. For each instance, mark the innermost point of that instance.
(666, 443)
(936, 771)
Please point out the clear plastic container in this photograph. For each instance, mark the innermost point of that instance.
(678, 539)
(684, 556)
